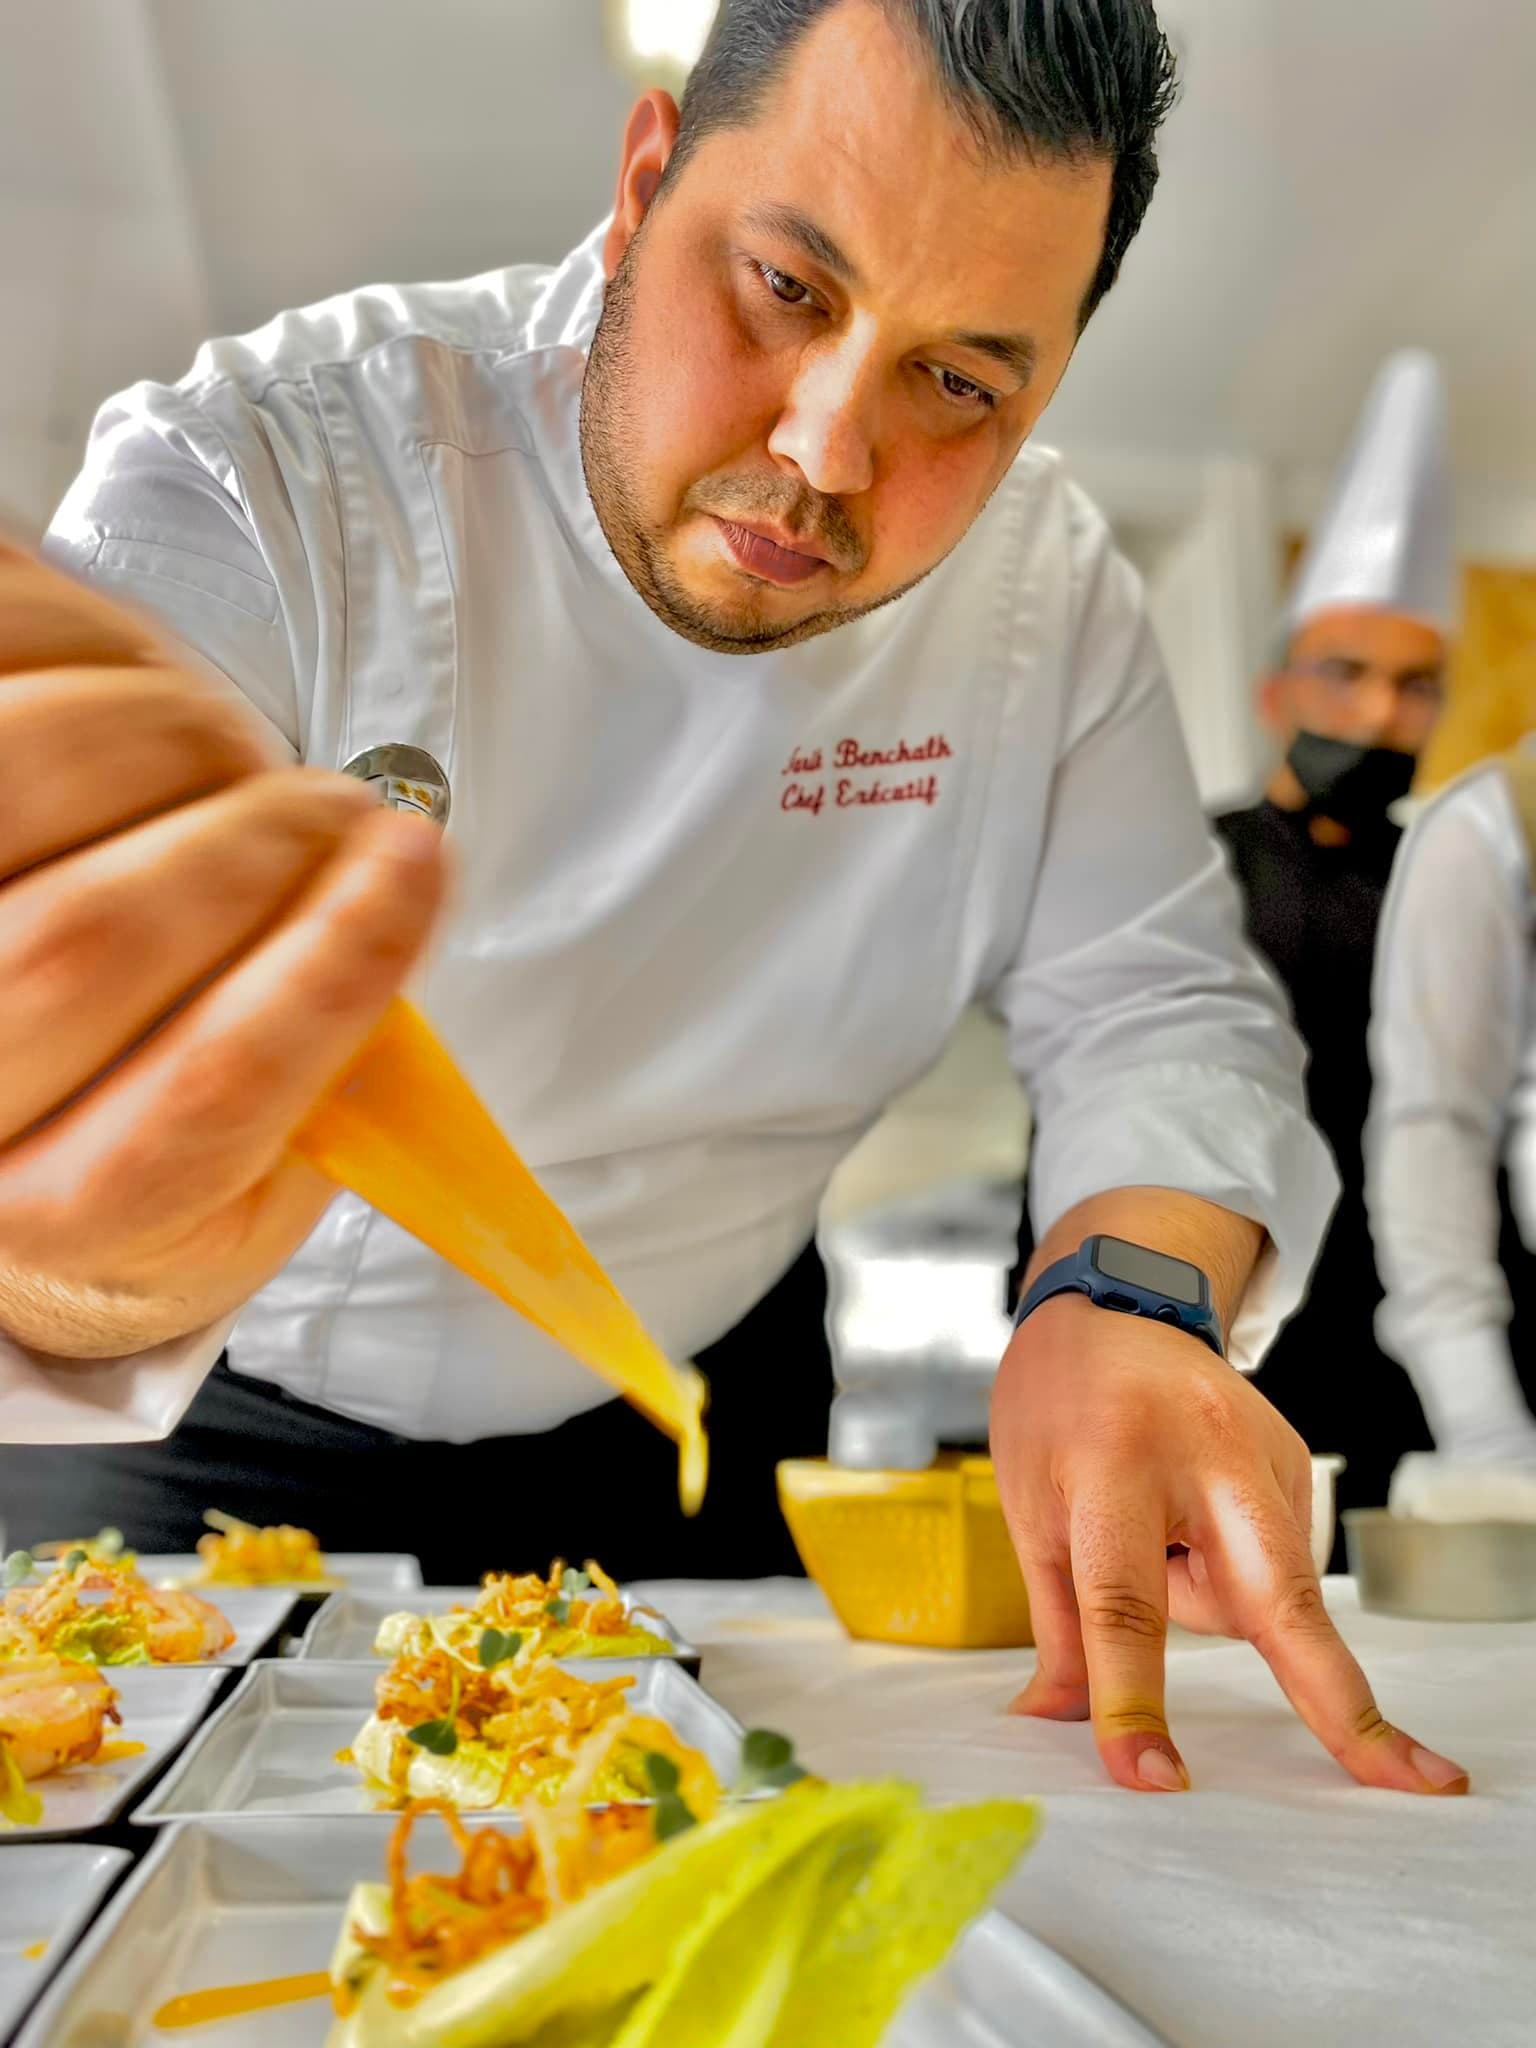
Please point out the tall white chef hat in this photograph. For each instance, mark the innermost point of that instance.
(1386, 537)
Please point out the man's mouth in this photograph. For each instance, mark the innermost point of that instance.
(767, 556)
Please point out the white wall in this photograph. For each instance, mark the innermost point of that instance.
(1203, 534)
(1337, 181)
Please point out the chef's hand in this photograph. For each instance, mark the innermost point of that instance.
(192, 946)
(1115, 1438)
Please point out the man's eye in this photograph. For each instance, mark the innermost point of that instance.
(785, 288)
(962, 391)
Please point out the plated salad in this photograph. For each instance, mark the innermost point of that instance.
(801, 1923)
(94, 1607)
(236, 1553)
(53, 1714)
(491, 1731)
(568, 1614)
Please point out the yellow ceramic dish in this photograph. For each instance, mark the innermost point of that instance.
(910, 1557)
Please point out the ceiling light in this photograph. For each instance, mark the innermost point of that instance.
(660, 40)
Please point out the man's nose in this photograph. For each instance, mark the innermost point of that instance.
(1376, 707)
(826, 428)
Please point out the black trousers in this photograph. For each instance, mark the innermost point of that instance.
(603, 1485)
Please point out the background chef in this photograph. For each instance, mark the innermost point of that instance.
(1353, 699)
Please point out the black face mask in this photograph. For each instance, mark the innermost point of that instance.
(1355, 786)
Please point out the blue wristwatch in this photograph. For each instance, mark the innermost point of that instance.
(1134, 1282)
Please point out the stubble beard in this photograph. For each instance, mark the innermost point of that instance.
(607, 413)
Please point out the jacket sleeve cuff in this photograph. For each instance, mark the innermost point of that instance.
(1203, 1131)
(138, 1399)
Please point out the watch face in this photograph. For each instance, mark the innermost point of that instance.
(1155, 1271)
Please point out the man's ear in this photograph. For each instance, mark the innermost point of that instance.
(649, 136)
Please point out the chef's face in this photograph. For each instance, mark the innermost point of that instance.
(823, 344)
(1375, 678)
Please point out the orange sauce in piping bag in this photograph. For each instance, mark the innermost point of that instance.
(404, 1129)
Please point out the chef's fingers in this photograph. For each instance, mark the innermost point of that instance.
(48, 620)
(1120, 1573)
(86, 751)
(1292, 1467)
(1192, 1601)
(205, 1109)
(97, 947)
(1261, 1568)
(1058, 1689)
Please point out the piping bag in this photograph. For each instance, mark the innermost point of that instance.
(404, 1129)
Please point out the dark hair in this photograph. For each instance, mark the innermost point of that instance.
(1064, 79)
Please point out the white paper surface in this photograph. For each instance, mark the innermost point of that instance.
(1276, 1904)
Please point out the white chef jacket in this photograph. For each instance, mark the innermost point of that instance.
(713, 913)
(1453, 1056)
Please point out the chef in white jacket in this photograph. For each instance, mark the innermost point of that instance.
(710, 914)
(1453, 1051)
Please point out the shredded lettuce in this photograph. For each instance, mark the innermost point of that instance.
(460, 1634)
(797, 1924)
(635, 1642)
(18, 1802)
(473, 1777)
(898, 1922)
(103, 1639)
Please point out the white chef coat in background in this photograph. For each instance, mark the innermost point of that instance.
(1453, 1057)
(713, 912)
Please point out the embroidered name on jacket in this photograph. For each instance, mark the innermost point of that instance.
(808, 789)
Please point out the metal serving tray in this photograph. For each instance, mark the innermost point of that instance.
(160, 1706)
(47, 1900)
(271, 1749)
(228, 1902)
(366, 1571)
(343, 1629)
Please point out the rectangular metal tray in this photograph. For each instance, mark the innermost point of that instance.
(365, 1570)
(47, 1900)
(229, 1902)
(160, 1706)
(271, 1749)
(343, 1629)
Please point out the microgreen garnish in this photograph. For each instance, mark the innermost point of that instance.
(767, 1762)
(110, 1542)
(496, 1648)
(74, 1560)
(673, 1815)
(662, 1775)
(440, 1737)
(572, 1585)
(18, 1566)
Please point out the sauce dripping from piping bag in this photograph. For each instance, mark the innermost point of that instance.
(404, 1129)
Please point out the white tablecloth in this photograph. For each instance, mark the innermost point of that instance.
(1276, 1905)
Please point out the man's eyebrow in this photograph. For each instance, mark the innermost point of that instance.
(794, 226)
(1016, 352)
